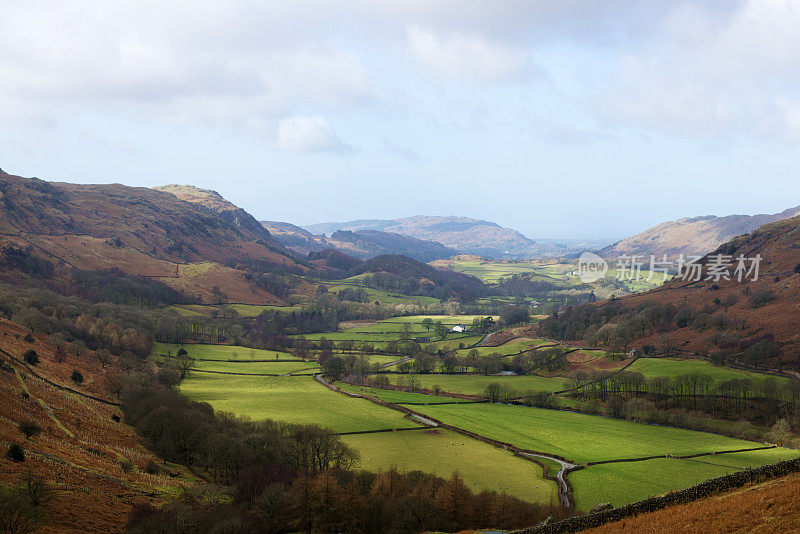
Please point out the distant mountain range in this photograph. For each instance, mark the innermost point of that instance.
(461, 234)
(692, 236)
(363, 244)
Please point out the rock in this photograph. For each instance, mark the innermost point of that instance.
(601, 507)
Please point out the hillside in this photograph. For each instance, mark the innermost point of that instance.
(363, 244)
(692, 236)
(408, 276)
(770, 506)
(755, 323)
(142, 232)
(82, 445)
(465, 235)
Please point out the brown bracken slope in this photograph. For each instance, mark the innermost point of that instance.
(774, 316)
(140, 231)
(697, 235)
(765, 508)
(81, 448)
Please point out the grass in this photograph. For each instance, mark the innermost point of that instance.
(515, 346)
(442, 452)
(623, 483)
(398, 397)
(384, 297)
(476, 384)
(256, 368)
(220, 352)
(672, 367)
(579, 437)
(290, 399)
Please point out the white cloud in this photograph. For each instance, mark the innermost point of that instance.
(737, 75)
(216, 62)
(309, 134)
(468, 56)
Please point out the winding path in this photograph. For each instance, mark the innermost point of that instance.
(563, 487)
(564, 491)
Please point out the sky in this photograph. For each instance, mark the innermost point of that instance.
(568, 119)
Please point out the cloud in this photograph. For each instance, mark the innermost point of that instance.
(309, 134)
(705, 75)
(468, 56)
(390, 147)
(217, 62)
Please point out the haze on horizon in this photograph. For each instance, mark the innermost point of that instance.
(572, 119)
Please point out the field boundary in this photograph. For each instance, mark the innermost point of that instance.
(565, 488)
(59, 386)
(693, 493)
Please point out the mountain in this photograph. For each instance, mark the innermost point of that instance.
(749, 322)
(362, 244)
(404, 275)
(464, 235)
(692, 236)
(152, 234)
(81, 437)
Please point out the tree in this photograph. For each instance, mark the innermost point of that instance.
(184, 362)
(29, 428)
(511, 315)
(15, 453)
(780, 433)
(427, 322)
(77, 376)
(441, 330)
(103, 356)
(169, 377)
(31, 357)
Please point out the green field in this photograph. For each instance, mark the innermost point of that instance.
(471, 384)
(623, 483)
(515, 346)
(257, 368)
(578, 437)
(672, 367)
(441, 452)
(292, 399)
(384, 297)
(561, 273)
(200, 351)
(399, 397)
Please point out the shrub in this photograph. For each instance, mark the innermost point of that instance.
(29, 428)
(28, 338)
(761, 298)
(15, 453)
(31, 357)
(77, 376)
(169, 377)
(20, 505)
(797, 268)
(127, 466)
(152, 468)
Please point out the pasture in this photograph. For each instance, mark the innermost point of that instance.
(579, 437)
(623, 483)
(472, 384)
(200, 351)
(291, 399)
(442, 452)
(399, 397)
(257, 368)
(673, 367)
